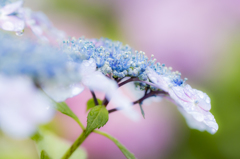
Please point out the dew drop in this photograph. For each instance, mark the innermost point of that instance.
(208, 100)
(213, 131)
(19, 33)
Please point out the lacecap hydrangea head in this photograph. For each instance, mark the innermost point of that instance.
(117, 60)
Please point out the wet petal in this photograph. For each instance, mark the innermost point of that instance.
(179, 91)
(203, 100)
(11, 8)
(161, 81)
(61, 93)
(41, 26)
(201, 121)
(11, 23)
(87, 67)
(189, 91)
(99, 82)
(124, 103)
(22, 107)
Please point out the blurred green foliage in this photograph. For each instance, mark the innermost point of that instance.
(12, 149)
(55, 147)
(100, 16)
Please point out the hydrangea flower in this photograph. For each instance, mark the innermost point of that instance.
(22, 107)
(9, 17)
(117, 61)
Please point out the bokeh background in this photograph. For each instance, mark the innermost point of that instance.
(199, 38)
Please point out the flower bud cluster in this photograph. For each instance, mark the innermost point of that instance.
(118, 60)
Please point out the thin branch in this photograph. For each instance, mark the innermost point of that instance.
(137, 80)
(94, 98)
(112, 110)
(105, 101)
(127, 81)
(146, 91)
(152, 93)
(118, 80)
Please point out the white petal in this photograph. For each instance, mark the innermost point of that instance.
(12, 23)
(161, 81)
(189, 91)
(98, 82)
(200, 120)
(61, 93)
(203, 100)
(197, 116)
(179, 91)
(16, 126)
(192, 123)
(125, 104)
(11, 8)
(22, 107)
(88, 67)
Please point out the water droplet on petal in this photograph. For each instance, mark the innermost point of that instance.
(208, 100)
(204, 105)
(19, 33)
(213, 131)
(77, 90)
(212, 124)
(199, 93)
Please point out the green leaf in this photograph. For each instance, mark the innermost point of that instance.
(97, 117)
(44, 155)
(124, 150)
(36, 137)
(63, 108)
(54, 146)
(142, 111)
(91, 103)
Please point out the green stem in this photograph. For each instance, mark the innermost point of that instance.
(75, 145)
